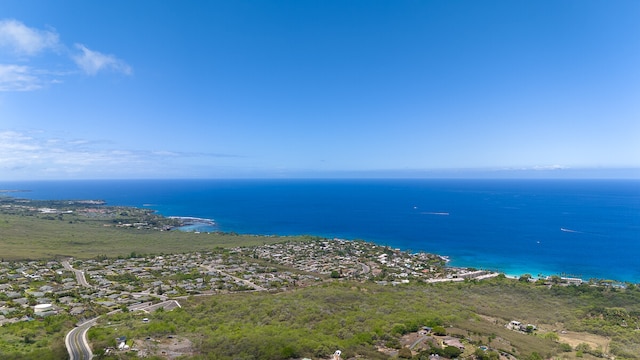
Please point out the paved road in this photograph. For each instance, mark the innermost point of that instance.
(79, 274)
(146, 293)
(76, 339)
(148, 307)
(76, 342)
(420, 339)
(365, 268)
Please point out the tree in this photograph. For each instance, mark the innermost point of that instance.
(486, 355)
(583, 347)
(405, 353)
(551, 336)
(534, 356)
(525, 278)
(565, 347)
(555, 279)
(451, 352)
(439, 331)
(529, 329)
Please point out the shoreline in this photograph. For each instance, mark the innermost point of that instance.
(536, 274)
(192, 223)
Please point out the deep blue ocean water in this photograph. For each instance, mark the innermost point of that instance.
(584, 228)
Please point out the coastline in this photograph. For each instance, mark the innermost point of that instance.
(206, 225)
(512, 238)
(202, 225)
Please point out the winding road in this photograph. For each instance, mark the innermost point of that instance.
(76, 341)
(82, 280)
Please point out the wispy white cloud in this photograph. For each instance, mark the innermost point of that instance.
(91, 62)
(549, 167)
(14, 77)
(37, 155)
(18, 78)
(165, 153)
(534, 168)
(23, 40)
(20, 149)
(12, 141)
(20, 43)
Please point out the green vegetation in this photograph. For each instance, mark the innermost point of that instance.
(354, 317)
(41, 339)
(30, 237)
(343, 310)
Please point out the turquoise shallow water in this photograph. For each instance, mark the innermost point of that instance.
(584, 228)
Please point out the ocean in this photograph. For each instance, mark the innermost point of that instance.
(579, 228)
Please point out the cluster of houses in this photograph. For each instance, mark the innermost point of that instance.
(43, 288)
(140, 218)
(36, 289)
(362, 260)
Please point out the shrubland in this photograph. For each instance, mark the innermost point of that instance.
(358, 318)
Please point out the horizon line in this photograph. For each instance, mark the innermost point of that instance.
(548, 173)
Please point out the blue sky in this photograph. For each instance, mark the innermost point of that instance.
(174, 89)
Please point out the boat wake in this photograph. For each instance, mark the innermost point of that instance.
(435, 213)
(570, 231)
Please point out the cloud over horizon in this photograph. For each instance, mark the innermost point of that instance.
(38, 155)
(21, 44)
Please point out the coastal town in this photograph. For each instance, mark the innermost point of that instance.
(89, 287)
(86, 288)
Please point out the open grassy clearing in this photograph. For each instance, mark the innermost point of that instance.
(576, 338)
(31, 237)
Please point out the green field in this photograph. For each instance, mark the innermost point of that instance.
(33, 237)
